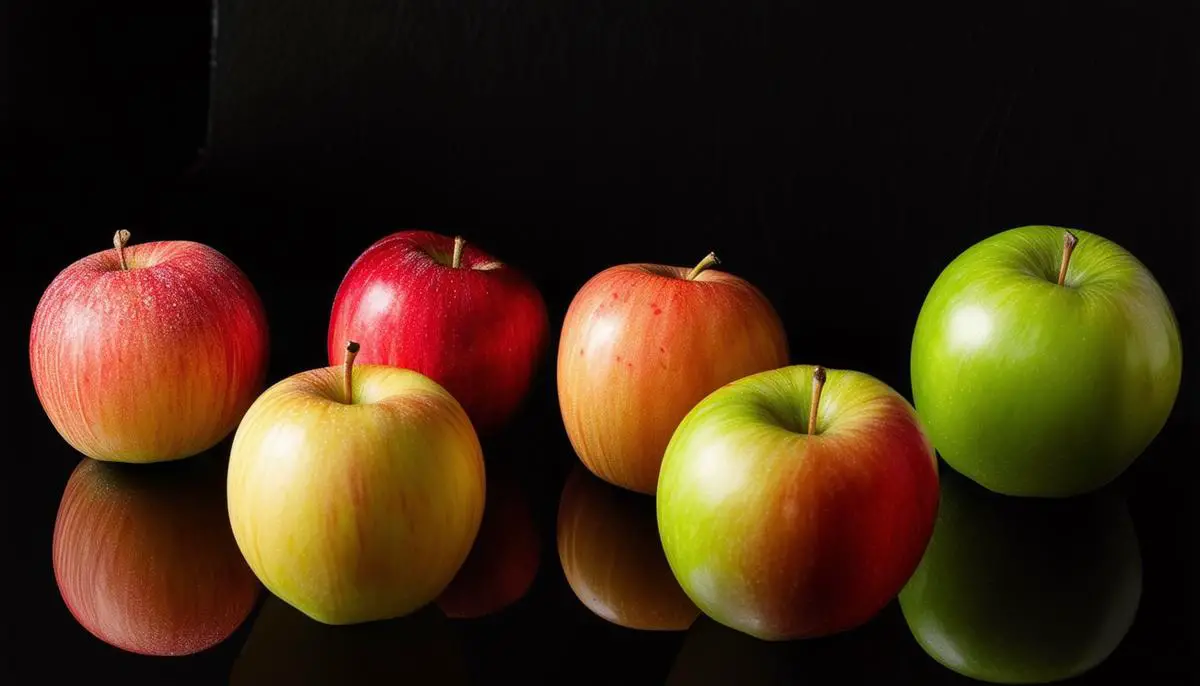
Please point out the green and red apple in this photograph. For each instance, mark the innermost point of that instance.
(796, 502)
(150, 352)
(643, 343)
(1024, 591)
(1044, 361)
(356, 493)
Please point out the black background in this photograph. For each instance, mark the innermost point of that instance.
(837, 155)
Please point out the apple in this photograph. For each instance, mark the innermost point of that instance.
(356, 494)
(609, 549)
(796, 502)
(1044, 361)
(641, 345)
(449, 310)
(1022, 591)
(148, 353)
(287, 647)
(504, 560)
(144, 558)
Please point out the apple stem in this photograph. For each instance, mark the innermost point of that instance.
(120, 238)
(459, 243)
(818, 384)
(1069, 241)
(347, 366)
(708, 261)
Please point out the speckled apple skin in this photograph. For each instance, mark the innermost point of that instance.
(154, 363)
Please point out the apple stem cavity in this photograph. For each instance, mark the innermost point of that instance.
(814, 403)
(1069, 242)
(347, 367)
(120, 238)
(459, 244)
(708, 261)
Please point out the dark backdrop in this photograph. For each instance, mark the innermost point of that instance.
(838, 155)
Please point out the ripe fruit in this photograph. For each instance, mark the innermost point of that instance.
(356, 495)
(1022, 591)
(145, 560)
(450, 311)
(609, 548)
(643, 343)
(785, 528)
(148, 353)
(1042, 367)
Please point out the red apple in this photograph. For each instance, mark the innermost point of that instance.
(448, 310)
(145, 559)
(641, 345)
(150, 352)
(609, 548)
(504, 559)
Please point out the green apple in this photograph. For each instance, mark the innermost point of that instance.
(356, 496)
(1023, 591)
(1044, 361)
(787, 516)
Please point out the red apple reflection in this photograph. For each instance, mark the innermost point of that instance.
(504, 559)
(145, 559)
(609, 548)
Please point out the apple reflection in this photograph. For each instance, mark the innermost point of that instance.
(1022, 590)
(145, 559)
(287, 647)
(504, 559)
(613, 559)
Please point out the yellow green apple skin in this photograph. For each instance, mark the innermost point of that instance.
(1021, 590)
(1032, 388)
(784, 534)
(356, 512)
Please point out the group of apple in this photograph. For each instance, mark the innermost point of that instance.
(792, 501)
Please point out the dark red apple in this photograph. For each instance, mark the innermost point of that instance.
(448, 310)
(504, 560)
(145, 559)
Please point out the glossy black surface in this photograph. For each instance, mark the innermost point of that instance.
(836, 157)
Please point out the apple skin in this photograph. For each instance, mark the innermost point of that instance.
(1023, 591)
(144, 558)
(286, 647)
(504, 560)
(610, 553)
(783, 535)
(354, 513)
(1034, 389)
(154, 363)
(479, 331)
(640, 346)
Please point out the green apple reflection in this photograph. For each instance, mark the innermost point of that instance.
(286, 647)
(1024, 591)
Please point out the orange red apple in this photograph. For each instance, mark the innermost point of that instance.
(641, 344)
(150, 352)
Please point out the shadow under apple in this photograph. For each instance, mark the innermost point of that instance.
(287, 647)
(1015, 590)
